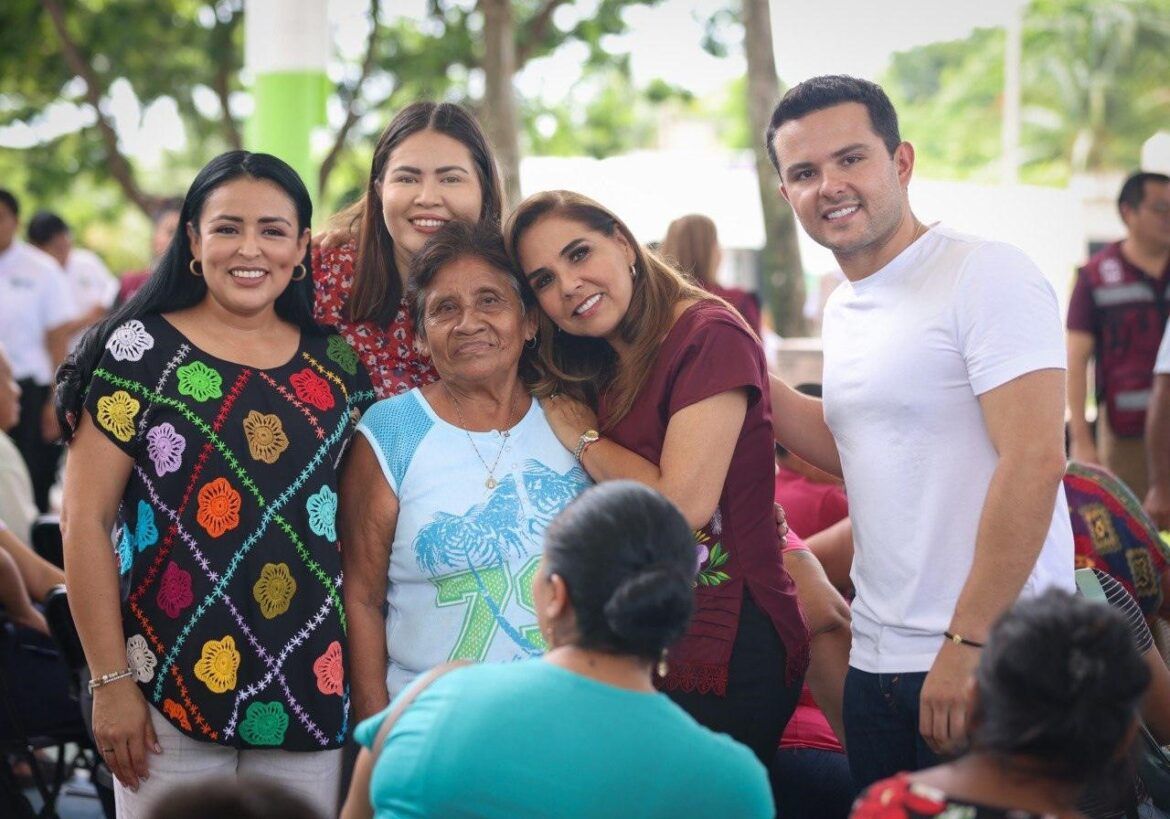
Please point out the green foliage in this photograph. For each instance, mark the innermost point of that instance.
(1094, 88)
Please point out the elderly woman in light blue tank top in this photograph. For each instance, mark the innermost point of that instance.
(448, 489)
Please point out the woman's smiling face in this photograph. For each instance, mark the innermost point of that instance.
(581, 277)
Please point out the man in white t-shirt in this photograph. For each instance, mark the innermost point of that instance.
(93, 286)
(943, 410)
(37, 317)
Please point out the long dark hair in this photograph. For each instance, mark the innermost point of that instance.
(377, 282)
(172, 286)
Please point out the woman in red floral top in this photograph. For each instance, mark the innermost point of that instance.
(432, 164)
(1054, 711)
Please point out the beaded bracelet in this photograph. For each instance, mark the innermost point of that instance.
(106, 679)
(959, 640)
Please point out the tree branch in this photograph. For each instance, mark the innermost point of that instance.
(221, 84)
(537, 28)
(352, 108)
(119, 166)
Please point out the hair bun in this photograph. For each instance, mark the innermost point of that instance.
(650, 610)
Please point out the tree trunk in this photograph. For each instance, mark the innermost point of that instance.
(119, 166)
(353, 105)
(782, 279)
(499, 104)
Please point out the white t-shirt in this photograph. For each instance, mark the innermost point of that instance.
(907, 352)
(1162, 363)
(34, 298)
(92, 283)
(463, 556)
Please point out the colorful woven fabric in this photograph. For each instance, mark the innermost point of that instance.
(389, 352)
(1112, 533)
(227, 532)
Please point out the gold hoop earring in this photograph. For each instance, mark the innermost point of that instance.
(304, 273)
(194, 272)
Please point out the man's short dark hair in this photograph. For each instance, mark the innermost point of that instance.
(826, 91)
(44, 227)
(1134, 189)
(8, 199)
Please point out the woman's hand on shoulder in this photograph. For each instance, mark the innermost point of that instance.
(568, 418)
(333, 238)
(123, 732)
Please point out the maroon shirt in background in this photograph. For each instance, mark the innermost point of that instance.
(743, 301)
(810, 507)
(1125, 311)
(709, 351)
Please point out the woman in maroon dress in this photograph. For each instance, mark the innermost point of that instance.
(680, 388)
(432, 164)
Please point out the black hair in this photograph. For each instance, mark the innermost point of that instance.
(9, 199)
(806, 388)
(172, 286)
(628, 559)
(45, 226)
(1133, 191)
(460, 240)
(829, 90)
(1060, 680)
(243, 798)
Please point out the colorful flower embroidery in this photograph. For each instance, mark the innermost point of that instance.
(174, 590)
(165, 447)
(323, 513)
(218, 664)
(342, 354)
(145, 532)
(219, 507)
(312, 389)
(275, 589)
(330, 670)
(125, 550)
(266, 438)
(200, 381)
(176, 712)
(140, 658)
(715, 556)
(264, 724)
(116, 413)
(130, 341)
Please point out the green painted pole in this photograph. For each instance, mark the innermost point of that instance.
(286, 47)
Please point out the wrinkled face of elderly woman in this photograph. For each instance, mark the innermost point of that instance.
(474, 324)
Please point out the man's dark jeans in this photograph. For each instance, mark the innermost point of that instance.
(881, 726)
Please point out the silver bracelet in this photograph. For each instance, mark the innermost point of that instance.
(106, 679)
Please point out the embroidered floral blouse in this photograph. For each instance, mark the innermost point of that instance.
(227, 536)
(899, 798)
(389, 352)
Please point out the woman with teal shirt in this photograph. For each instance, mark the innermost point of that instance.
(580, 732)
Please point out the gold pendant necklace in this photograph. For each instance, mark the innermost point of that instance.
(491, 482)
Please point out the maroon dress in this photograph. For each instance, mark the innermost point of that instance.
(709, 351)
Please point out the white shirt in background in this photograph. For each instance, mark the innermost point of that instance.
(35, 298)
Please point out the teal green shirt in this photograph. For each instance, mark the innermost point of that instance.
(532, 739)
